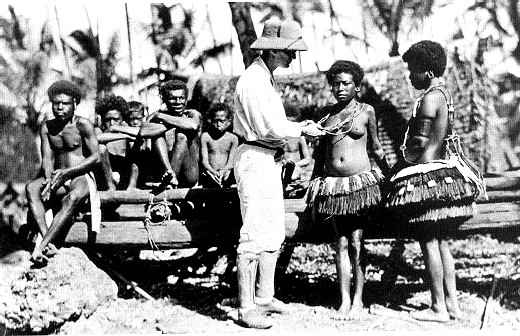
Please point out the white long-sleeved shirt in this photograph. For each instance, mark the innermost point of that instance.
(259, 112)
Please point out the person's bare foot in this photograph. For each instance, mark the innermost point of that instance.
(355, 313)
(169, 179)
(429, 315)
(342, 312)
(50, 250)
(454, 311)
(38, 259)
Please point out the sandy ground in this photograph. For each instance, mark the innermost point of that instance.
(194, 297)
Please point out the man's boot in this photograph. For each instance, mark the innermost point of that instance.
(248, 314)
(265, 300)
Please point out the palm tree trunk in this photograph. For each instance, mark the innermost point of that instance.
(241, 17)
(515, 20)
(395, 22)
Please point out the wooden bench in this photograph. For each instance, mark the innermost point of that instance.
(217, 219)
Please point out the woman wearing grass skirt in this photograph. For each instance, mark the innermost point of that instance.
(434, 187)
(345, 187)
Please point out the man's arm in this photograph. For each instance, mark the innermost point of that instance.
(204, 153)
(429, 125)
(107, 137)
(46, 151)
(146, 130)
(189, 122)
(232, 152)
(375, 146)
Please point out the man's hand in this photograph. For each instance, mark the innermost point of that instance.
(312, 129)
(224, 174)
(306, 122)
(56, 180)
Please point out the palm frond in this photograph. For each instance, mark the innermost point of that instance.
(419, 9)
(86, 41)
(211, 53)
(18, 33)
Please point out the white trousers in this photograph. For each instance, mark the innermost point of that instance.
(261, 200)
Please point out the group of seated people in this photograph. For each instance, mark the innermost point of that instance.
(189, 153)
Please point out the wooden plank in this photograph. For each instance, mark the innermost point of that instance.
(210, 194)
(144, 196)
(172, 233)
(502, 182)
(221, 229)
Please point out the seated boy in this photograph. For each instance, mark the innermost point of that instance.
(114, 147)
(218, 149)
(140, 149)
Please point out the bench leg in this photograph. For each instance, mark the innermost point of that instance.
(394, 264)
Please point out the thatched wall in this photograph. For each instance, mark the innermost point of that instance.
(389, 91)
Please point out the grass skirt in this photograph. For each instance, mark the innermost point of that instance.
(431, 192)
(350, 195)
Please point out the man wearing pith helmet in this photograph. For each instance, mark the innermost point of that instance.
(261, 122)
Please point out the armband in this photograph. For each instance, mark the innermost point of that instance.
(422, 126)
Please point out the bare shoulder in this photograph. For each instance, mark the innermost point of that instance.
(432, 103)
(368, 109)
(205, 136)
(367, 113)
(84, 125)
(231, 136)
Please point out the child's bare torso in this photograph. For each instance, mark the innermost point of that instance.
(219, 149)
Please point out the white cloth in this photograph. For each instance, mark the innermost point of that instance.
(261, 200)
(259, 112)
(95, 208)
(260, 116)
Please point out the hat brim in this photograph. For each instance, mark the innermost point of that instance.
(278, 44)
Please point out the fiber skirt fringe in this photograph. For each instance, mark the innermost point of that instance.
(453, 213)
(345, 195)
(432, 195)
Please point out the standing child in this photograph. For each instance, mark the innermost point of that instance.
(345, 187)
(218, 148)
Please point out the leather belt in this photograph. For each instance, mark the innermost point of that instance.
(278, 151)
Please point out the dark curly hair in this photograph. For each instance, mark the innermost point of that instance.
(347, 67)
(173, 84)
(218, 107)
(65, 87)
(426, 56)
(111, 102)
(135, 105)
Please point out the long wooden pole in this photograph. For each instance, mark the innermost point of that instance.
(130, 284)
(61, 47)
(214, 39)
(130, 55)
(143, 196)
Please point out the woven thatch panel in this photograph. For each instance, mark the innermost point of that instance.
(388, 90)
